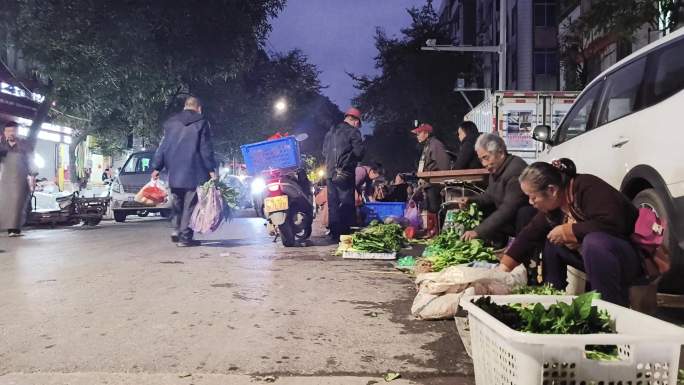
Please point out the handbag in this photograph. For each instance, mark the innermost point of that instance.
(648, 237)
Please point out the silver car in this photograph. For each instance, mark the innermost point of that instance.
(133, 176)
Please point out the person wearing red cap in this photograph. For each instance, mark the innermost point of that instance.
(433, 158)
(343, 149)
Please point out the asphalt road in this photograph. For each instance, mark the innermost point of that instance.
(120, 304)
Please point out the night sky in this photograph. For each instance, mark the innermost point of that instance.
(337, 36)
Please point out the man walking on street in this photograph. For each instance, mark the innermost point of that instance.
(16, 180)
(187, 153)
(343, 150)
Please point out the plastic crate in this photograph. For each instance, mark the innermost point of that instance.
(649, 349)
(275, 154)
(381, 210)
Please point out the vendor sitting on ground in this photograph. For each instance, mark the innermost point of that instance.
(585, 223)
(503, 201)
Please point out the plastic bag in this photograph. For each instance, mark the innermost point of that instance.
(210, 211)
(152, 193)
(439, 293)
(412, 214)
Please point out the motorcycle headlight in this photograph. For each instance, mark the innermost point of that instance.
(116, 186)
(258, 186)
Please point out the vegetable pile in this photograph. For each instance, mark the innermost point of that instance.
(577, 317)
(379, 238)
(448, 249)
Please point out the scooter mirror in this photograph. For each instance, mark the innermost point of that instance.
(301, 137)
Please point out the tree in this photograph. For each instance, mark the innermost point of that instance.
(412, 85)
(123, 63)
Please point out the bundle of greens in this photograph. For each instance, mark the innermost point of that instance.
(448, 249)
(467, 219)
(577, 317)
(379, 238)
(545, 289)
(230, 195)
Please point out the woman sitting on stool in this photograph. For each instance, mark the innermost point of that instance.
(585, 223)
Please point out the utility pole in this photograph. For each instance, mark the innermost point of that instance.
(431, 45)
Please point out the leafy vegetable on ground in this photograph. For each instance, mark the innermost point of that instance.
(464, 220)
(448, 249)
(577, 317)
(379, 238)
(545, 289)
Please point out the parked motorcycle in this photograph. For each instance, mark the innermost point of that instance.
(73, 209)
(288, 205)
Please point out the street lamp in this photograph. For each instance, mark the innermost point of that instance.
(280, 106)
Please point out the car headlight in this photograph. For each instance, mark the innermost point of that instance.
(258, 186)
(116, 186)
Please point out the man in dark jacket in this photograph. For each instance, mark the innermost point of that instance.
(343, 150)
(187, 153)
(434, 157)
(467, 156)
(508, 206)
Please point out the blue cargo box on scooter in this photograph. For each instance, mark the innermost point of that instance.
(277, 154)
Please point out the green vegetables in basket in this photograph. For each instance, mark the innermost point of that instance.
(379, 238)
(578, 317)
(448, 249)
(230, 195)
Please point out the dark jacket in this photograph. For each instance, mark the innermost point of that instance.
(597, 207)
(342, 148)
(434, 156)
(467, 157)
(186, 150)
(504, 195)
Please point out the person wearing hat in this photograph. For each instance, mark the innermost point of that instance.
(343, 149)
(433, 158)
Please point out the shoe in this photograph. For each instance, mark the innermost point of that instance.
(174, 238)
(190, 243)
(15, 235)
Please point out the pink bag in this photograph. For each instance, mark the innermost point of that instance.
(648, 236)
(412, 214)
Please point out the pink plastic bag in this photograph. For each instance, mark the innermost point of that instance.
(210, 210)
(412, 214)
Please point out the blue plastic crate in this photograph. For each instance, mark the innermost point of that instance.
(381, 210)
(275, 154)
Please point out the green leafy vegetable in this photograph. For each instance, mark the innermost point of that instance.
(448, 249)
(379, 238)
(578, 317)
(545, 289)
(463, 220)
(230, 195)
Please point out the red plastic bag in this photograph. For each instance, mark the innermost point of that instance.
(151, 194)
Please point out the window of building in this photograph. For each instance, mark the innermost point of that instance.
(544, 13)
(621, 93)
(545, 62)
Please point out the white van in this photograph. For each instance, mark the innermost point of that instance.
(627, 127)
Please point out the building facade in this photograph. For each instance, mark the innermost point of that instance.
(531, 40)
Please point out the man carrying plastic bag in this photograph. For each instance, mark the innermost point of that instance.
(186, 151)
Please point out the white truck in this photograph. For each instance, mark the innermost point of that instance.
(514, 114)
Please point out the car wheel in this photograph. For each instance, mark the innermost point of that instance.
(651, 199)
(143, 213)
(119, 216)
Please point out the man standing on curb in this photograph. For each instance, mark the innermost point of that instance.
(343, 150)
(187, 153)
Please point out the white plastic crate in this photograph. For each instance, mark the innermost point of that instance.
(649, 349)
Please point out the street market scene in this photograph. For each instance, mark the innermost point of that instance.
(305, 192)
